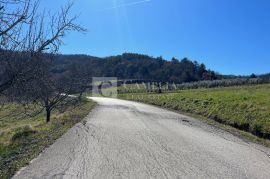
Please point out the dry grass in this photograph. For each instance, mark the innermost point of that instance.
(22, 137)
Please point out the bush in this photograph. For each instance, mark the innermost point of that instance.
(23, 133)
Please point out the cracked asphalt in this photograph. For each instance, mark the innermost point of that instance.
(123, 139)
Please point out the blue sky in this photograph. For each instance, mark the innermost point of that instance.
(229, 36)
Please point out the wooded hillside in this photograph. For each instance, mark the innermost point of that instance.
(136, 66)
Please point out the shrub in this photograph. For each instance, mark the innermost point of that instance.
(23, 133)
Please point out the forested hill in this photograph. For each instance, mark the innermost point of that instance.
(136, 66)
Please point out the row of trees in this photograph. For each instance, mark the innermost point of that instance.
(158, 87)
(30, 38)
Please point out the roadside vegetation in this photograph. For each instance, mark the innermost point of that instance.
(244, 107)
(23, 137)
(154, 87)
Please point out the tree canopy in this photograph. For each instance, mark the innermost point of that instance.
(137, 66)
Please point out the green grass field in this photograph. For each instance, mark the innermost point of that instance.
(245, 107)
(22, 137)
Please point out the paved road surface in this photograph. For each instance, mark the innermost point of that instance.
(124, 139)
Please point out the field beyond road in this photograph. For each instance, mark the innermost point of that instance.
(244, 107)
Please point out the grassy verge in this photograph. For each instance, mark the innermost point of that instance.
(246, 108)
(22, 137)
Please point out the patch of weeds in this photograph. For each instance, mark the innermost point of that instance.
(23, 133)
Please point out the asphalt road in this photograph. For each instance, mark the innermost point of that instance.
(123, 139)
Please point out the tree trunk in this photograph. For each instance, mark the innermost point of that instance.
(80, 96)
(48, 114)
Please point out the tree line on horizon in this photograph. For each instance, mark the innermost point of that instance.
(143, 68)
(137, 67)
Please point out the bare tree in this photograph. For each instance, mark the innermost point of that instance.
(82, 78)
(13, 14)
(51, 90)
(28, 44)
(31, 33)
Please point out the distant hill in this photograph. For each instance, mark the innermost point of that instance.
(137, 66)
